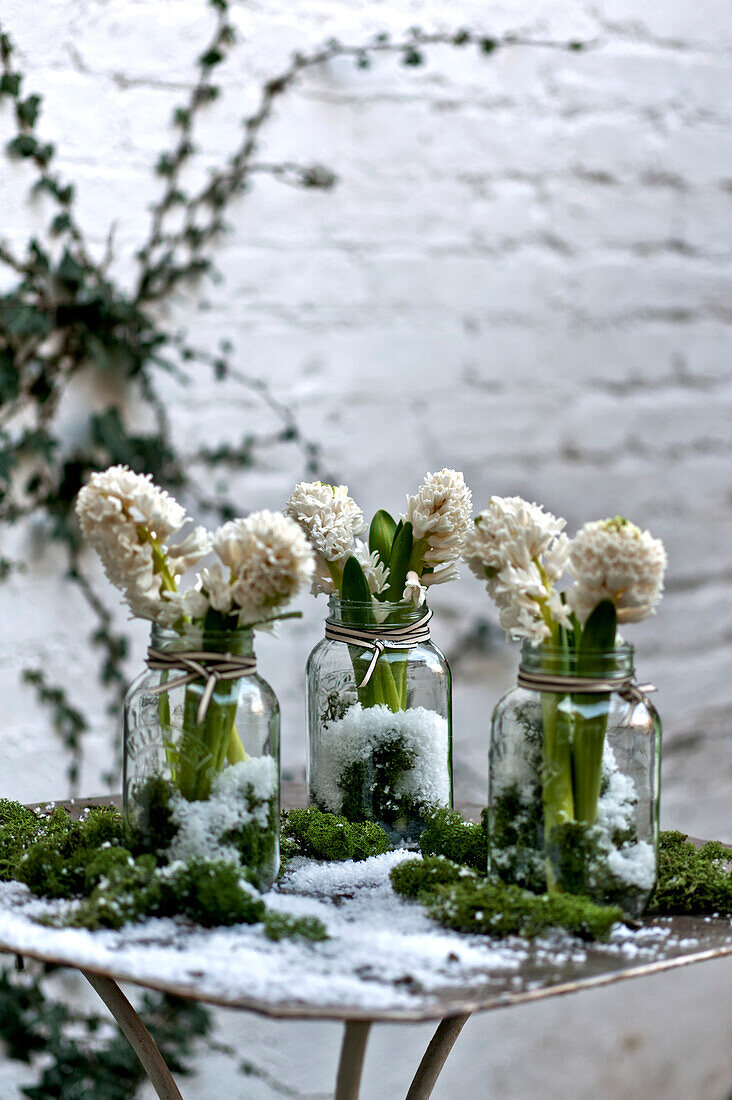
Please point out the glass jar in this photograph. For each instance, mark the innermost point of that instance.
(574, 780)
(379, 750)
(204, 785)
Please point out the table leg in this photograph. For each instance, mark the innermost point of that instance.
(353, 1052)
(137, 1035)
(435, 1057)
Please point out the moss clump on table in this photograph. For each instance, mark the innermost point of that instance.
(692, 880)
(320, 835)
(458, 898)
(255, 842)
(107, 867)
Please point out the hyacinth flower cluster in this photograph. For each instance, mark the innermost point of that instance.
(615, 573)
(260, 563)
(396, 565)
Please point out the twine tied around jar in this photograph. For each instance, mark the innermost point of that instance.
(379, 638)
(199, 665)
(626, 687)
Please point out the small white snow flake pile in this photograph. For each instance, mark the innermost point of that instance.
(354, 738)
(613, 559)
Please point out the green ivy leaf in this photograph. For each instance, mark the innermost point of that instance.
(26, 110)
(23, 145)
(10, 83)
(70, 270)
(19, 319)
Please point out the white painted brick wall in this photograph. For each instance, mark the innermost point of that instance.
(523, 272)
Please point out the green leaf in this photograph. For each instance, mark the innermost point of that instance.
(70, 270)
(381, 535)
(26, 110)
(60, 224)
(9, 377)
(10, 83)
(599, 630)
(355, 586)
(22, 320)
(399, 564)
(24, 145)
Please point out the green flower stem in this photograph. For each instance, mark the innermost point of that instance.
(206, 747)
(557, 779)
(557, 788)
(592, 711)
(587, 751)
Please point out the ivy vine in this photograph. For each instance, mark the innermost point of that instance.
(65, 314)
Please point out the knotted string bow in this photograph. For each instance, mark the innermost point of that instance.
(626, 687)
(379, 638)
(199, 665)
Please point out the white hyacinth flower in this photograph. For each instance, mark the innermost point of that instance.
(414, 590)
(128, 520)
(612, 559)
(440, 514)
(374, 570)
(519, 550)
(269, 560)
(187, 553)
(330, 518)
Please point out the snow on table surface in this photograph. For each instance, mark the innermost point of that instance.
(384, 959)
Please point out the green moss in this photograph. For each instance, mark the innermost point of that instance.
(101, 863)
(280, 926)
(102, 825)
(130, 891)
(153, 826)
(320, 835)
(496, 909)
(692, 880)
(448, 834)
(414, 878)
(210, 893)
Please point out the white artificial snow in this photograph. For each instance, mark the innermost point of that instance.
(355, 736)
(616, 807)
(634, 864)
(240, 795)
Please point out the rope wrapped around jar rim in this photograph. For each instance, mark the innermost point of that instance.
(199, 665)
(379, 638)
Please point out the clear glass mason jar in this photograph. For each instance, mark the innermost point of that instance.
(208, 789)
(574, 781)
(382, 751)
